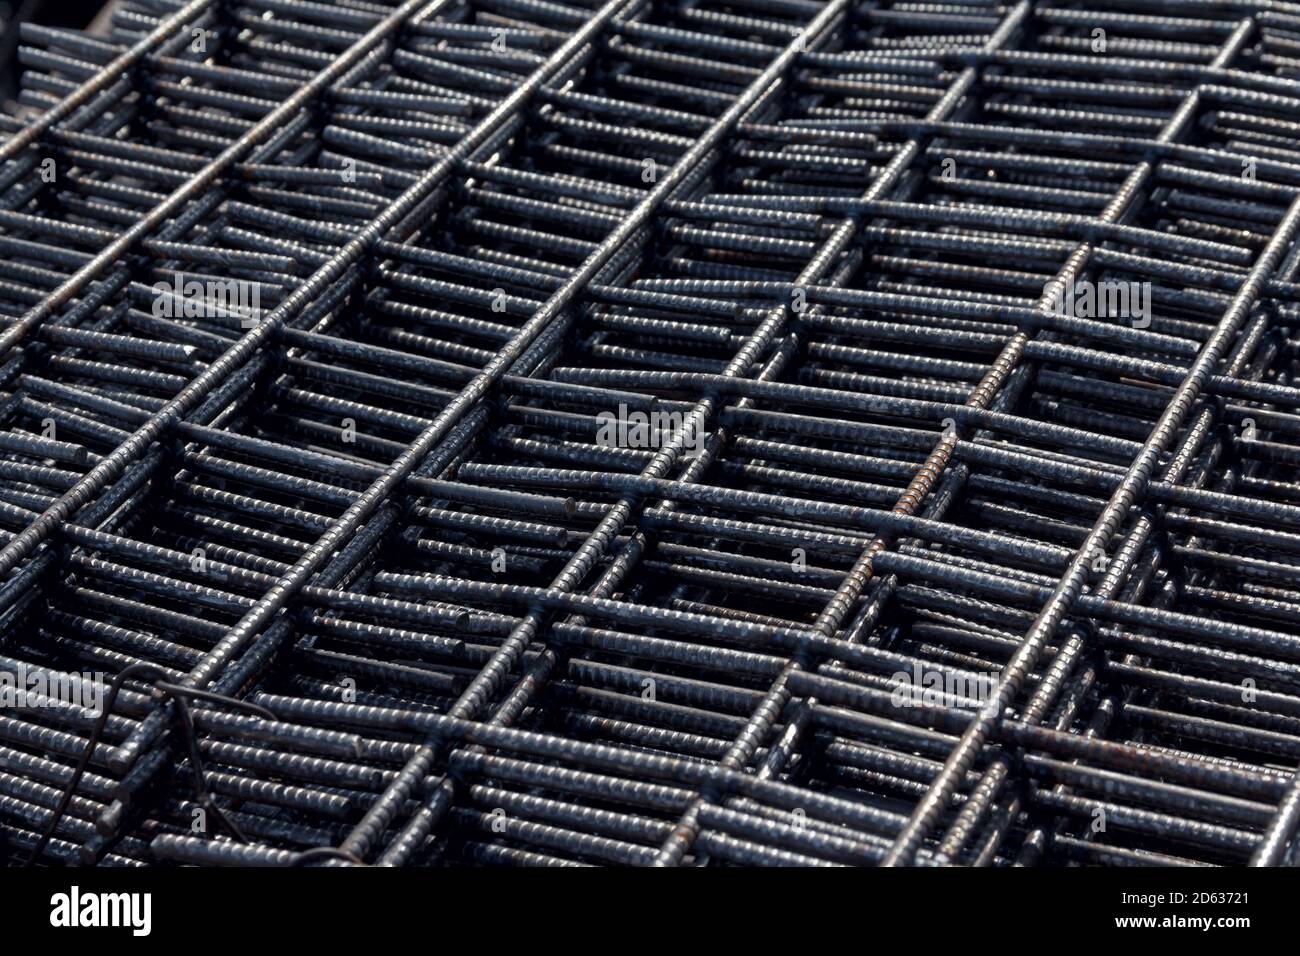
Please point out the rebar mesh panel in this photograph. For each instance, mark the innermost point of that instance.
(762, 432)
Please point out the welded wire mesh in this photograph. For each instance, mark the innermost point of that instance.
(520, 432)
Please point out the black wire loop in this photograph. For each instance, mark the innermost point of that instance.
(162, 689)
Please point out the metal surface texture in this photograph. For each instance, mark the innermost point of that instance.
(648, 433)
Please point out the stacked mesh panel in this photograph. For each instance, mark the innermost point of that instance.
(761, 432)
